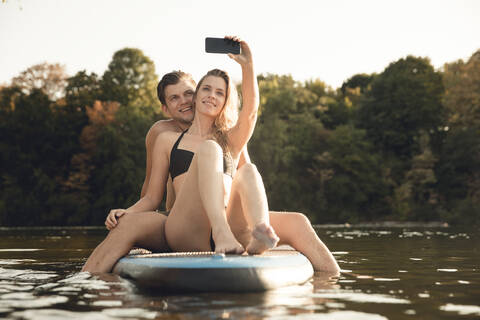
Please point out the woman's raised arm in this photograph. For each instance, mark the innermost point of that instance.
(240, 134)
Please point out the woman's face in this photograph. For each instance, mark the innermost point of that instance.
(211, 96)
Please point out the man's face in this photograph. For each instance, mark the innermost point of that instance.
(179, 101)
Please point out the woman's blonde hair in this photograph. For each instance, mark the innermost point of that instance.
(229, 114)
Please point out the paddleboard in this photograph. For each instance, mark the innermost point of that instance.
(211, 272)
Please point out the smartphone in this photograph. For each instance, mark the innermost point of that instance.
(221, 45)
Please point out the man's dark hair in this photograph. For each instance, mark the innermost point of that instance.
(170, 78)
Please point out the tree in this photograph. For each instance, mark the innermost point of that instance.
(361, 81)
(356, 188)
(131, 80)
(82, 90)
(118, 162)
(459, 149)
(462, 92)
(457, 172)
(325, 104)
(30, 160)
(416, 198)
(283, 136)
(50, 78)
(404, 100)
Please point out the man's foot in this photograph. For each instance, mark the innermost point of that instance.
(227, 244)
(263, 238)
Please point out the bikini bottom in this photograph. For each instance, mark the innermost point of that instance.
(212, 243)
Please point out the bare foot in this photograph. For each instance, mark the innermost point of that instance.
(263, 238)
(225, 243)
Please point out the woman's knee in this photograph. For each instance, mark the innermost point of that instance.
(302, 220)
(209, 148)
(289, 225)
(247, 173)
(297, 220)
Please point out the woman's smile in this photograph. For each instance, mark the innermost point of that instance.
(210, 103)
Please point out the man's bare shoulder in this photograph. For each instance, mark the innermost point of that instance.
(158, 128)
(168, 134)
(166, 139)
(163, 125)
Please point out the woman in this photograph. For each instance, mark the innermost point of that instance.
(202, 169)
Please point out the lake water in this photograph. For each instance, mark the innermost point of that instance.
(388, 273)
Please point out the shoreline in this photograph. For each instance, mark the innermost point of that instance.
(381, 224)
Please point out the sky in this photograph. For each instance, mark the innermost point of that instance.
(330, 40)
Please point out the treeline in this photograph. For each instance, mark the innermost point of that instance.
(400, 145)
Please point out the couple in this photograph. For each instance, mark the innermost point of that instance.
(220, 202)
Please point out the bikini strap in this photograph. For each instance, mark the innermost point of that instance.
(175, 146)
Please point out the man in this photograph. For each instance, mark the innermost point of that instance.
(175, 92)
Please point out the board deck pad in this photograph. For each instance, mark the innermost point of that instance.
(212, 272)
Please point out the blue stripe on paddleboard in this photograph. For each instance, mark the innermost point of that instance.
(219, 261)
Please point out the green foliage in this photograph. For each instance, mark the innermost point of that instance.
(118, 163)
(361, 81)
(82, 90)
(131, 80)
(404, 100)
(357, 189)
(416, 198)
(286, 136)
(458, 166)
(462, 92)
(400, 145)
(34, 160)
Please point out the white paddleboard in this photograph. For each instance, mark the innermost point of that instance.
(211, 272)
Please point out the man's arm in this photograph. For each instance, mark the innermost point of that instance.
(156, 187)
(157, 128)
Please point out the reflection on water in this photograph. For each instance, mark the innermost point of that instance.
(387, 273)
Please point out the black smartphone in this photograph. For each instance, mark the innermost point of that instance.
(221, 45)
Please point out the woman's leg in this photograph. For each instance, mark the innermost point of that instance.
(143, 229)
(247, 211)
(295, 229)
(248, 205)
(199, 211)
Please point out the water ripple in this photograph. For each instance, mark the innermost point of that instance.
(335, 315)
(447, 270)
(461, 309)
(107, 303)
(54, 314)
(15, 261)
(14, 250)
(33, 302)
(27, 274)
(361, 297)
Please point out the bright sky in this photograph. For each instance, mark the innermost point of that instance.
(326, 39)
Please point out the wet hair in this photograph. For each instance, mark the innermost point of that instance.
(171, 78)
(229, 115)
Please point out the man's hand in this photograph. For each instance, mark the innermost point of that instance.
(112, 218)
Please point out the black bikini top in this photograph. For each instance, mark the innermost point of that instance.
(180, 160)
